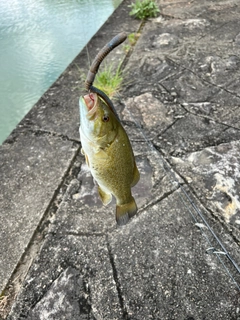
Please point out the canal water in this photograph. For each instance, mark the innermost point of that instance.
(38, 39)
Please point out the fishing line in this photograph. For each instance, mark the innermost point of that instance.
(92, 12)
(211, 249)
(168, 169)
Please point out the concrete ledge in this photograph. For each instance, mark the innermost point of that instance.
(32, 171)
(39, 152)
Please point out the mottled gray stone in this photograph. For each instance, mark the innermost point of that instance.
(151, 115)
(214, 173)
(67, 298)
(72, 278)
(164, 270)
(203, 68)
(157, 266)
(32, 169)
(214, 10)
(164, 40)
(193, 133)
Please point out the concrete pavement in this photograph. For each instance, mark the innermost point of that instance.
(62, 254)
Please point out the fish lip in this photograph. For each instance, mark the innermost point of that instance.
(91, 108)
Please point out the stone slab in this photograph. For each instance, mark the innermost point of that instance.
(156, 267)
(214, 174)
(213, 9)
(32, 169)
(72, 278)
(181, 90)
(193, 133)
(164, 270)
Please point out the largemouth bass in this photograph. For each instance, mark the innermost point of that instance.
(109, 155)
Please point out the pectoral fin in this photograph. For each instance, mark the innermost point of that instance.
(125, 211)
(136, 176)
(105, 197)
(101, 154)
(86, 157)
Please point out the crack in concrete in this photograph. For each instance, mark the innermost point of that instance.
(42, 132)
(191, 112)
(85, 234)
(202, 79)
(20, 272)
(130, 52)
(209, 118)
(53, 134)
(215, 217)
(162, 132)
(156, 201)
(210, 32)
(117, 281)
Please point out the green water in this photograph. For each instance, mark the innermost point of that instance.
(38, 39)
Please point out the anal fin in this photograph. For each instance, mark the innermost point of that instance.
(136, 176)
(105, 197)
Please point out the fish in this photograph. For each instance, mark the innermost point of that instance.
(109, 155)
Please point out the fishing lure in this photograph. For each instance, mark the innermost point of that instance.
(116, 41)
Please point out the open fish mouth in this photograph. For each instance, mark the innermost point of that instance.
(91, 103)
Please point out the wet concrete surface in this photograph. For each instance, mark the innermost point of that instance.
(180, 107)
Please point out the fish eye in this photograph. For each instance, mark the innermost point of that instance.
(105, 118)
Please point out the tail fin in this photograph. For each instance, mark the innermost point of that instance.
(125, 211)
